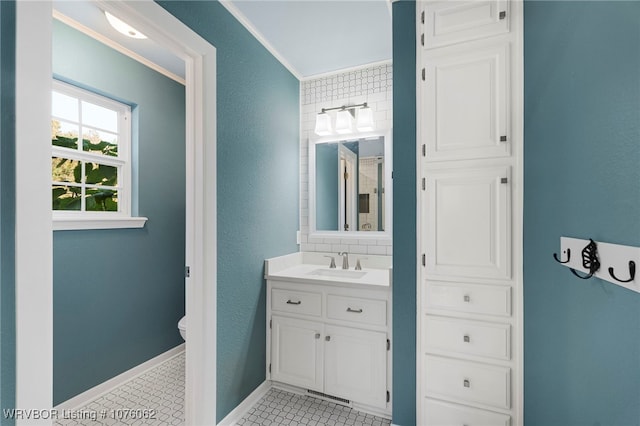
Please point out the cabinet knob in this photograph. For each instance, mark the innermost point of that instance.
(467, 298)
(317, 335)
(327, 338)
(466, 383)
(466, 338)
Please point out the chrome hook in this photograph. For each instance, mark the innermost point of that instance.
(632, 273)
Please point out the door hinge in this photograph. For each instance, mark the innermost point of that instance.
(270, 321)
(388, 344)
(269, 368)
(424, 184)
(424, 259)
(424, 74)
(422, 39)
(422, 17)
(503, 15)
(388, 396)
(504, 180)
(187, 271)
(424, 150)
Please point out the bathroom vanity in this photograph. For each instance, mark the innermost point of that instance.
(329, 329)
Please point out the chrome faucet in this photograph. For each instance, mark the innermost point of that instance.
(345, 259)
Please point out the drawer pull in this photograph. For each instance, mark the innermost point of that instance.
(466, 338)
(289, 302)
(467, 298)
(466, 383)
(327, 338)
(317, 335)
(355, 311)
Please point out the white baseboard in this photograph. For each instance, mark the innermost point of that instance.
(97, 391)
(237, 413)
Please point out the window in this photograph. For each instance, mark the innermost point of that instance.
(90, 160)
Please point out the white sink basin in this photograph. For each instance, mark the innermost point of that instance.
(340, 273)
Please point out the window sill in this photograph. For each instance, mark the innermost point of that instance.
(70, 224)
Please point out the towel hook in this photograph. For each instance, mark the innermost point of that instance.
(632, 273)
(555, 256)
(589, 260)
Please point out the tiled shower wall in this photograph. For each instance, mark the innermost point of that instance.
(372, 85)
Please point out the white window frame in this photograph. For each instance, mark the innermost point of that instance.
(74, 220)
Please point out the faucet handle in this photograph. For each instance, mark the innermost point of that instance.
(358, 266)
(332, 265)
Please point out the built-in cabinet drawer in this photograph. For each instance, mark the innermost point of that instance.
(467, 337)
(296, 302)
(467, 381)
(356, 309)
(438, 413)
(469, 298)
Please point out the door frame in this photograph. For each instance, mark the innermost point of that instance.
(33, 233)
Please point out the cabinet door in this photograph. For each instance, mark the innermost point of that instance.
(451, 22)
(469, 221)
(296, 352)
(356, 365)
(466, 103)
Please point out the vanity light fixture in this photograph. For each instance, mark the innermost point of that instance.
(122, 27)
(344, 120)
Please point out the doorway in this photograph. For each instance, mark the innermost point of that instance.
(34, 302)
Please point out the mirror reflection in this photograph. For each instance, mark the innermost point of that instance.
(350, 185)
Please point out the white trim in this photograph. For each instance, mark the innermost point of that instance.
(71, 224)
(346, 70)
(116, 46)
(238, 413)
(103, 388)
(258, 35)
(33, 236)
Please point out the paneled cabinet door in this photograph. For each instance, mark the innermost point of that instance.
(469, 223)
(449, 22)
(465, 102)
(296, 352)
(356, 365)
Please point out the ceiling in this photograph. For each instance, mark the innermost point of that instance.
(310, 37)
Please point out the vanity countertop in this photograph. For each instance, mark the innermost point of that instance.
(313, 268)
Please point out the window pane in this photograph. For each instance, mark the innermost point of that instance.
(99, 142)
(100, 174)
(64, 134)
(66, 170)
(97, 116)
(101, 200)
(65, 107)
(66, 197)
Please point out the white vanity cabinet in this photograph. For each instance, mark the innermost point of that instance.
(332, 337)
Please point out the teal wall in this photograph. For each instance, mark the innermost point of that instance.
(326, 186)
(258, 175)
(7, 210)
(118, 294)
(582, 179)
(404, 213)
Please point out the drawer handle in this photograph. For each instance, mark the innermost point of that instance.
(289, 302)
(317, 335)
(466, 338)
(466, 383)
(467, 298)
(327, 338)
(355, 311)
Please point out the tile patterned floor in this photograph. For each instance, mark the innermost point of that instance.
(278, 407)
(154, 398)
(160, 392)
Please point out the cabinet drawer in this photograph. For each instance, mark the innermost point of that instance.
(438, 413)
(468, 381)
(470, 298)
(298, 302)
(467, 337)
(354, 309)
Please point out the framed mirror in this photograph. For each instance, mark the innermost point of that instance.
(350, 186)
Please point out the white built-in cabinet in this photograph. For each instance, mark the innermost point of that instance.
(469, 103)
(331, 339)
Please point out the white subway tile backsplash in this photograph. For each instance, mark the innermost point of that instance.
(377, 250)
(368, 242)
(358, 249)
(323, 247)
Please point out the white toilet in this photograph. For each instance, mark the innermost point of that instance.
(182, 326)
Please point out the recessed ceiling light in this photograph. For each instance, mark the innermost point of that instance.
(123, 27)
